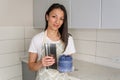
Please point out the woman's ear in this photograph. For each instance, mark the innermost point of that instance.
(46, 17)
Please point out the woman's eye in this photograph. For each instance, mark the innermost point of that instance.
(61, 19)
(53, 16)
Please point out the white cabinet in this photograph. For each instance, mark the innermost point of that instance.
(85, 13)
(111, 14)
(41, 6)
(82, 13)
(39, 9)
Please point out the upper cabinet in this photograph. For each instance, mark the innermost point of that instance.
(111, 14)
(82, 13)
(85, 13)
(40, 7)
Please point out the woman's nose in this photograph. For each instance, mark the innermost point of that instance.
(57, 21)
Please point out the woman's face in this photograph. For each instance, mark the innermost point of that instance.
(55, 19)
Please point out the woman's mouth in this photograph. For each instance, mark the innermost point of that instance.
(56, 26)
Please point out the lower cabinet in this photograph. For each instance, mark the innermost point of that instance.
(26, 73)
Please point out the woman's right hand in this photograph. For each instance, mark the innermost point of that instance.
(48, 61)
(35, 65)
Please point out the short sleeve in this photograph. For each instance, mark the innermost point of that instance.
(70, 49)
(32, 47)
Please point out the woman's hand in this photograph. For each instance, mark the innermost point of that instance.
(35, 65)
(48, 61)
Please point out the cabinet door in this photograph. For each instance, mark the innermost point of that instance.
(26, 73)
(111, 14)
(85, 13)
(39, 9)
(41, 6)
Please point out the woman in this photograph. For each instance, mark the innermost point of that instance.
(56, 32)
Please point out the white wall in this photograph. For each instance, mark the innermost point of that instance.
(15, 15)
(100, 46)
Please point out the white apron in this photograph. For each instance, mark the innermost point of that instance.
(52, 74)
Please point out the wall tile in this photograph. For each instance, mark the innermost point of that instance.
(108, 35)
(30, 32)
(10, 72)
(27, 44)
(11, 33)
(9, 46)
(84, 34)
(107, 62)
(10, 59)
(109, 50)
(85, 47)
(84, 57)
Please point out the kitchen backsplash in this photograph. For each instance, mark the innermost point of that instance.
(100, 46)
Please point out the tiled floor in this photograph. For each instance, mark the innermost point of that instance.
(90, 71)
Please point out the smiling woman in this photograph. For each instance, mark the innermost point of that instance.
(56, 32)
(55, 19)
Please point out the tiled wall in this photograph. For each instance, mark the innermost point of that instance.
(15, 15)
(11, 48)
(98, 46)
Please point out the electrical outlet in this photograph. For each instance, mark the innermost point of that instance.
(116, 59)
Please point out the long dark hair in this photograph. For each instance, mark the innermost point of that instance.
(64, 28)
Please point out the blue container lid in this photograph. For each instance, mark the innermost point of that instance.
(65, 58)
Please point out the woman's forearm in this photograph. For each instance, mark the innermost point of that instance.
(35, 66)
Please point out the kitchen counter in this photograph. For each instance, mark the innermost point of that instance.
(89, 71)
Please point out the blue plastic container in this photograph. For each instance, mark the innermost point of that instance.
(65, 63)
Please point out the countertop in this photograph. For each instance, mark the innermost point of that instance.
(90, 71)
